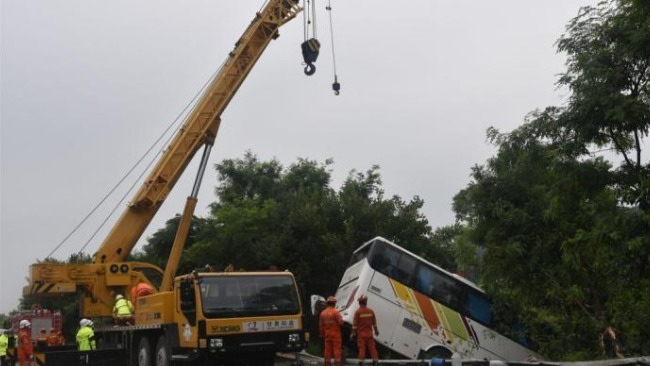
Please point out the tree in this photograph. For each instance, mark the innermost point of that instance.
(292, 218)
(608, 73)
(556, 246)
(549, 213)
(159, 245)
(267, 215)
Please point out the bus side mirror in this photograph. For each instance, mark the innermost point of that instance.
(318, 303)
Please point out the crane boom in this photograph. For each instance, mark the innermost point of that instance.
(200, 128)
(110, 272)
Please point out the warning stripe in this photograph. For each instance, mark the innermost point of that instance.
(39, 359)
(38, 289)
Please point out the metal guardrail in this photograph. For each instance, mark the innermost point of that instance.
(306, 359)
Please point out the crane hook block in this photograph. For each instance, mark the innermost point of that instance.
(310, 50)
(336, 87)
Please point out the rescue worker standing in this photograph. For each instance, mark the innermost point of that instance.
(55, 338)
(25, 347)
(4, 344)
(86, 336)
(122, 311)
(362, 327)
(330, 330)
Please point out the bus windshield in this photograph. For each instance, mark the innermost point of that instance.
(249, 295)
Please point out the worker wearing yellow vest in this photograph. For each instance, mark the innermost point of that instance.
(4, 344)
(123, 311)
(86, 336)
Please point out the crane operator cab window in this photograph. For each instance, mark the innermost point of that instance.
(188, 300)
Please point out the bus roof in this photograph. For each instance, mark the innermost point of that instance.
(453, 275)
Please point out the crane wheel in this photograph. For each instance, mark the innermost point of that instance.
(144, 352)
(163, 353)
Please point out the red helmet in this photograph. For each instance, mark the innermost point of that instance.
(331, 300)
(363, 299)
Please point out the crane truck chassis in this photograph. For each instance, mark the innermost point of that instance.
(197, 318)
(224, 316)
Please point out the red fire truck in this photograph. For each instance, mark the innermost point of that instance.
(40, 319)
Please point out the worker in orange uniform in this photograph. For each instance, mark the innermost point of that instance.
(330, 330)
(41, 340)
(25, 347)
(362, 327)
(141, 289)
(55, 338)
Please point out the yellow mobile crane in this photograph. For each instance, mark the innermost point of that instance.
(202, 316)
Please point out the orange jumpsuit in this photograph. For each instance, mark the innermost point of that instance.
(330, 330)
(55, 339)
(25, 347)
(364, 321)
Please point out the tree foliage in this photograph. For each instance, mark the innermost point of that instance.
(608, 73)
(291, 218)
(558, 249)
(559, 232)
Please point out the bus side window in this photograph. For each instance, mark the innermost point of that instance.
(377, 262)
(478, 307)
(424, 280)
(386, 263)
(446, 291)
(405, 269)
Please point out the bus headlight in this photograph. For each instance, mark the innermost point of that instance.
(216, 343)
(294, 338)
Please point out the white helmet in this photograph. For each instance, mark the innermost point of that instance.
(85, 322)
(119, 296)
(25, 324)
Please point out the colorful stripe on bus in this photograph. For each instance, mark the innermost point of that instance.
(442, 321)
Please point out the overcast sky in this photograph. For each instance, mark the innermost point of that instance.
(87, 87)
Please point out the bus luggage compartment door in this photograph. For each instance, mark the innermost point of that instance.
(406, 337)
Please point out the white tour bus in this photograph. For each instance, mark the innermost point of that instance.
(422, 310)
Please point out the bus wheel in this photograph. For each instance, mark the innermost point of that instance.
(144, 352)
(163, 355)
(436, 352)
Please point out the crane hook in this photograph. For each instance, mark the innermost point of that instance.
(310, 49)
(310, 69)
(336, 86)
